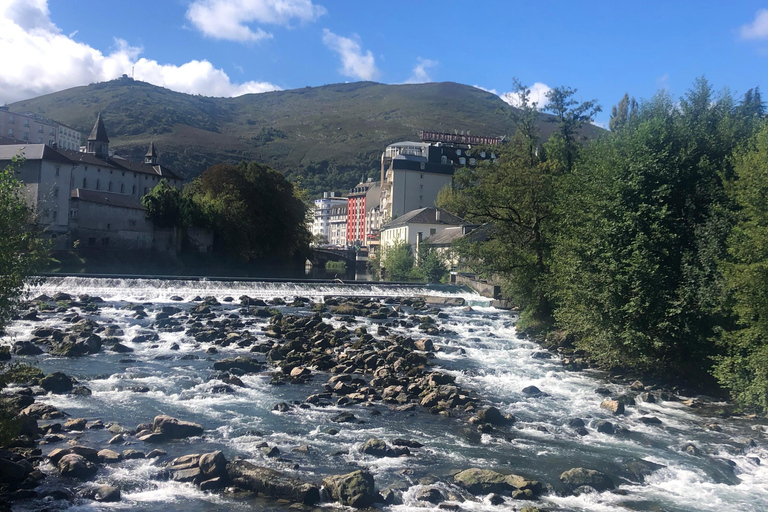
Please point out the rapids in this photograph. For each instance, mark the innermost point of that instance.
(485, 355)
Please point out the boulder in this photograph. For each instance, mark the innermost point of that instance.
(106, 494)
(12, 472)
(485, 481)
(109, 456)
(57, 383)
(375, 447)
(75, 424)
(73, 465)
(577, 477)
(614, 406)
(173, 428)
(354, 489)
(242, 363)
(271, 483)
(493, 416)
(26, 348)
(213, 465)
(431, 495)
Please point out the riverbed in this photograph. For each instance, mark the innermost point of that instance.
(481, 349)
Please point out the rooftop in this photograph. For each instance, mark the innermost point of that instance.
(428, 215)
(107, 198)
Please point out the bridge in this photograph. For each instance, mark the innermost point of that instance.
(352, 257)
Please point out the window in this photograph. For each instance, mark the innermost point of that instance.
(98, 185)
(26, 123)
(39, 140)
(110, 186)
(26, 135)
(109, 226)
(40, 130)
(73, 214)
(458, 152)
(122, 188)
(55, 191)
(471, 161)
(92, 241)
(54, 215)
(85, 167)
(145, 190)
(432, 231)
(85, 182)
(462, 161)
(423, 165)
(443, 159)
(57, 171)
(50, 131)
(10, 132)
(50, 142)
(134, 190)
(482, 154)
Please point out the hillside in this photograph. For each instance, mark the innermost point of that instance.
(329, 136)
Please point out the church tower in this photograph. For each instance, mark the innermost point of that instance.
(98, 142)
(151, 156)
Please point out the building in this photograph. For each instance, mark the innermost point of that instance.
(442, 242)
(34, 129)
(413, 173)
(321, 225)
(338, 226)
(416, 226)
(89, 197)
(362, 200)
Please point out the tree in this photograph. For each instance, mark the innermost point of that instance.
(743, 368)
(254, 211)
(644, 220)
(397, 261)
(430, 266)
(164, 205)
(21, 251)
(570, 115)
(516, 194)
(622, 113)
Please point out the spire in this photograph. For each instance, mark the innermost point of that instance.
(98, 142)
(151, 156)
(99, 133)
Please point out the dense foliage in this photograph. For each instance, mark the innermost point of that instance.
(254, 212)
(648, 245)
(21, 250)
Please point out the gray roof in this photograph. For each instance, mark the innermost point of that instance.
(446, 236)
(32, 152)
(99, 132)
(107, 198)
(425, 216)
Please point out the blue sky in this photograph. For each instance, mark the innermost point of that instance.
(231, 47)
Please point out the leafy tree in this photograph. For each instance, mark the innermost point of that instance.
(743, 368)
(431, 266)
(254, 211)
(164, 205)
(21, 251)
(397, 261)
(644, 219)
(570, 115)
(622, 113)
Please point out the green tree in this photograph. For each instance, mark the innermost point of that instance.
(743, 368)
(431, 266)
(644, 220)
(397, 261)
(622, 113)
(164, 205)
(22, 252)
(254, 211)
(570, 115)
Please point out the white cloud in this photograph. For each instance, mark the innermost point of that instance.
(420, 74)
(355, 63)
(36, 58)
(538, 95)
(230, 19)
(758, 29)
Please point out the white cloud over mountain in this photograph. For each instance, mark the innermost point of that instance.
(355, 63)
(36, 58)
(538, 95)
(758, 29)
(420, 72)
(230, 19)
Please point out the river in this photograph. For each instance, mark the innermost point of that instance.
(485, 355)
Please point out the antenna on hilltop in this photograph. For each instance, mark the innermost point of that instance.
(132, 69)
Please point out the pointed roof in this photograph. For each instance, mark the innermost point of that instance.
(152, 152)
(99, 133)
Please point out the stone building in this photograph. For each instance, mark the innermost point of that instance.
(31, 128)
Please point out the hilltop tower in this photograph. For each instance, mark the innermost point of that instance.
(98, 142)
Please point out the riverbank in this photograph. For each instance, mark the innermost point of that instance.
(407, 393)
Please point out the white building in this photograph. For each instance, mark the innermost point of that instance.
(338, 226)
(416, 226)
(34, 129)
(321, 225)
(59, 182)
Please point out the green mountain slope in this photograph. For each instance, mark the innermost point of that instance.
(328, 136)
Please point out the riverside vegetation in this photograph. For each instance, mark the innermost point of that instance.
(645, 249)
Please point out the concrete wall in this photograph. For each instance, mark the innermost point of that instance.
(412, 190)
(110, 227)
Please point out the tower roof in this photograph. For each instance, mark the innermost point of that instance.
(152, 152)
(99, 133)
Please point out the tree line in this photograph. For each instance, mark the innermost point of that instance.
(647, 246)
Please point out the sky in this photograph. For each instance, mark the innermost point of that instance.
(233, 47)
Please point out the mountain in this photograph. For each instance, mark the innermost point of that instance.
(326, 137)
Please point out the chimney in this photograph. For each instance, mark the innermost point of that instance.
(437, 215)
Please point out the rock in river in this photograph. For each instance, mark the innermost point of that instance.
(354, 489)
